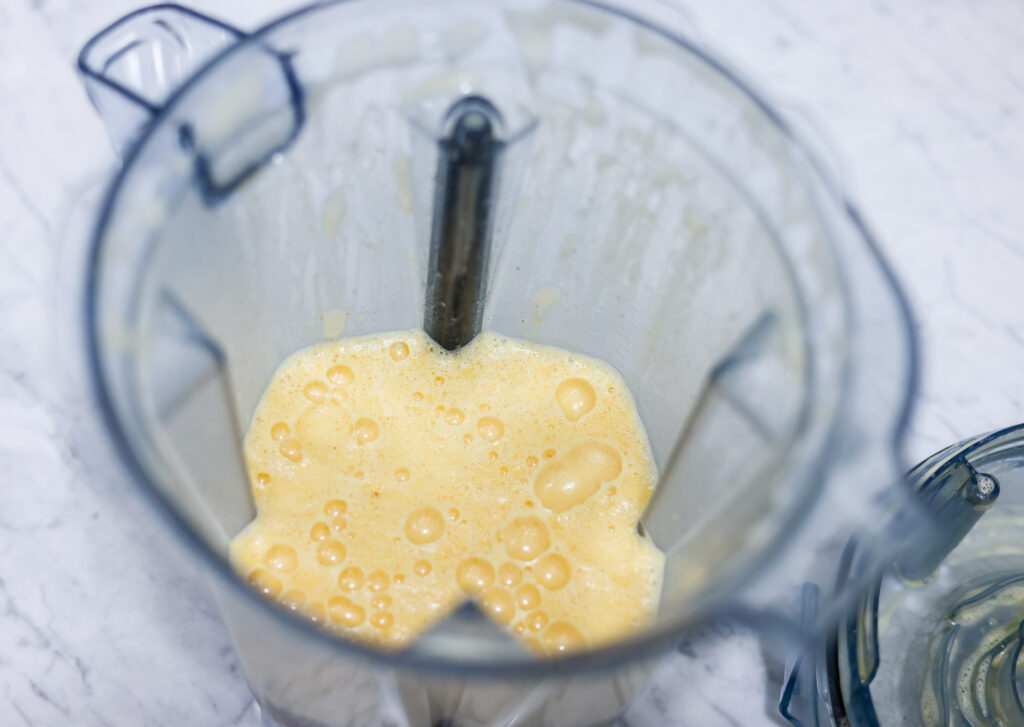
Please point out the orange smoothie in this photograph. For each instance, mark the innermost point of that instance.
(393, 480)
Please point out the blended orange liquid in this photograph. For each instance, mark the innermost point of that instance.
(394, 480)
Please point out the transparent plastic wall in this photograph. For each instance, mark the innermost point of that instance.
(651, 213)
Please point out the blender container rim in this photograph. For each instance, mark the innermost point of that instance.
(645, 644)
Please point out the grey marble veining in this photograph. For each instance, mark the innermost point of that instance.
(104, 620)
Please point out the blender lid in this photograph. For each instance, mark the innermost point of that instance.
(937, 638)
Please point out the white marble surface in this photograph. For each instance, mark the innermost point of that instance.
(104, 621)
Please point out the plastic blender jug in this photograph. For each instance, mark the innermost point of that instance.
(642, 205)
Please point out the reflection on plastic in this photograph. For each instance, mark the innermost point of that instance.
(187, 375)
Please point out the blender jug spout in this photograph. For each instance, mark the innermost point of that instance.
(134, 67)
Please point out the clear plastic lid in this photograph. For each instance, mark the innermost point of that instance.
(938, 639)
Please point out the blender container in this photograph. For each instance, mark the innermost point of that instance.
(643, 205)
(936, 641)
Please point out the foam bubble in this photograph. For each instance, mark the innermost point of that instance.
(351, 579)
(575, 397)
(422, 568)
(262, 581)
(562, 636)
(454, 416)
(474, 574)
(382, 620)
(526, 538)
(528, 596)
(424, 525)
(402, 474)
(315, 391)
(319, 531)
(552, 571)
(509, 574)
(280, 431)
(365, 430)
(340, 375)
(399, 351)
(281, 557)
(330, 552)
(490, 428)
(345, 612)
(333, 508)
(537, 621)
(573, 478)
(378, 581)
(291, 449)
(293, 599)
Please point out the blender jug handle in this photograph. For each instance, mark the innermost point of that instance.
(138, 69)
(134, 65)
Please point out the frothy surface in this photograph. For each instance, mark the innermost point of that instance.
(394, 480)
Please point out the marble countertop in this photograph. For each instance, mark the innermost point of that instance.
(105, 621)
